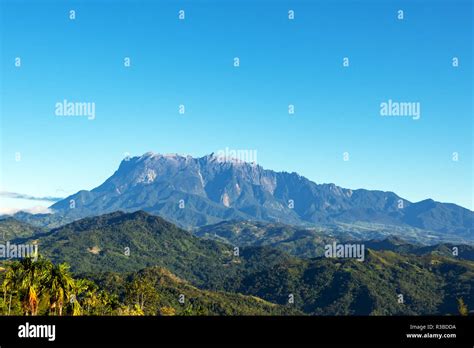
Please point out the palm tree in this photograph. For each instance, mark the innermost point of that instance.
(59, 284)
(31, 275)
(84, 291)
(87, 293)
(10, 283)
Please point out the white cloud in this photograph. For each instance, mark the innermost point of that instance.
(38, 209)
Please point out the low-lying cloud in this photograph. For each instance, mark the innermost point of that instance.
(16, 195)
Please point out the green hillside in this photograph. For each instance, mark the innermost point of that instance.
(42, 288)
(429, 284)
(429, 281)
(11, 228)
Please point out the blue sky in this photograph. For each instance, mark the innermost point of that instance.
(190, 62)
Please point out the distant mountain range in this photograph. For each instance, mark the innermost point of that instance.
(430, 278)
(309, 242)
(194, 192)
(238, 239)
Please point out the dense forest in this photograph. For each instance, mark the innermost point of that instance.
(42, 288)
(140, 264)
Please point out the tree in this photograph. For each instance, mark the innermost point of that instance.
(10, 284)
(86, 293)
(31, 275)
(59, 283)
(167, 311)
(142, 293)
(28, 283)
(193, 310)
(462, 307)
(130, 311)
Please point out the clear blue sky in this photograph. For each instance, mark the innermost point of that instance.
(283, 62)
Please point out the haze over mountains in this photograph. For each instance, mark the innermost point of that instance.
(194, 192)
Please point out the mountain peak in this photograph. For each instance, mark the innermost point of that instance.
(193, 192)
(151, 154)
(213, 157)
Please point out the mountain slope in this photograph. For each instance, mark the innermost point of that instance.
(200, 191)
(196, 301)
(297, 241)
(100, 243)
(309, 242)
(429, 282)
(11, 228)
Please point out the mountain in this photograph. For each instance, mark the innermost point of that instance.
(125, 242)
(429, 284)
(197, 301)
(11, 228)
(463, 252)
(309, 242)
(429, 281)
(40, 221)
(200, 191)
(128, 242)
(297, 241)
